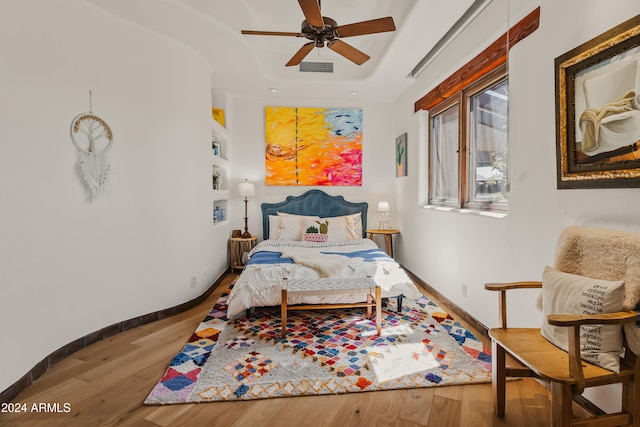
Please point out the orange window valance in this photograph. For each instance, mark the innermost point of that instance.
(489, 59)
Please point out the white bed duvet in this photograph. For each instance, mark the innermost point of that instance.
(271, 261)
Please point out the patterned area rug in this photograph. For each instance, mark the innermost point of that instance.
(325, 352)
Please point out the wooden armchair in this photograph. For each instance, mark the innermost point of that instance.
(591, 253)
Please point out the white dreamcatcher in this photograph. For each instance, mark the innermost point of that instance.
(93, 149)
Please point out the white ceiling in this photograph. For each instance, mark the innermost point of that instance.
(250, 65)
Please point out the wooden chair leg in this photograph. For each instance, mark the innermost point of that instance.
(498, 378)
(630, 394)
(561, 402)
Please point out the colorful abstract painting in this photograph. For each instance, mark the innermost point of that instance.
(313, 146)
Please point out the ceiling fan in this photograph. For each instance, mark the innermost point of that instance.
(320, 30)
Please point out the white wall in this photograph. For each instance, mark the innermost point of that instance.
(69, 267)
(247, 127)
(447, 249)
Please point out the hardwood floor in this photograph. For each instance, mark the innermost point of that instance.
(105, 384)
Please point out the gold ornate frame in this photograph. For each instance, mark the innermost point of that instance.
(576, 169)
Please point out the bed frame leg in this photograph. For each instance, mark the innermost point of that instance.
(400, 304)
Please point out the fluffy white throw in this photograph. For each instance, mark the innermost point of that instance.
(327, 265)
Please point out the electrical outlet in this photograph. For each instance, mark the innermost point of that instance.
(464, 289)
(194, 281)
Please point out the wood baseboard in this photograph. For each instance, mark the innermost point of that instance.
(451, 306)
(45, 364)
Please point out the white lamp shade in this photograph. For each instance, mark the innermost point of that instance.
(383, 206)
(246, 189)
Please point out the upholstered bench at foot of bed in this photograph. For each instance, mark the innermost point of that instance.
(332, 286)
(249, 311)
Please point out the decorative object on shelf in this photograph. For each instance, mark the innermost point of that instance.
(384, 215)
(598, 111)
(219, 214)
(215, 145)
(218, 115)
(93, 162)
(246, 190)
(401, 155)
(313, 146)
(216, 180)
(236, 233)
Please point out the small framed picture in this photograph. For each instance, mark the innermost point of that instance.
(401, 155)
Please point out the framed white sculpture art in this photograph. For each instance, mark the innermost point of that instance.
(598, 111)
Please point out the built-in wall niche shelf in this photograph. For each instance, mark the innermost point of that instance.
(220, 213)
(220, 141)
(219, 178)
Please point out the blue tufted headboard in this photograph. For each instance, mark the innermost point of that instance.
(314, 202)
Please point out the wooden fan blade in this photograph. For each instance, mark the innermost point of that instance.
(380, 25)
(311, 10)
(271, 33)
(348, 51)
(300, 54)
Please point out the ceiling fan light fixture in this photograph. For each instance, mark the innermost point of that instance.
(323, 31)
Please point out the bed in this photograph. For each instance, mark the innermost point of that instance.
(294, 249)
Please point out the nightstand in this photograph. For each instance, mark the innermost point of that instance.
(239, 246)
(388, 234)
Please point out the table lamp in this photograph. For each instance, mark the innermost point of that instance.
(246, 190)
(384, 215)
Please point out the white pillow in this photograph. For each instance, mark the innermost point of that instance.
(337, 227)
(354, 225)
(274, 227)
(285, 228)
(302, 217)
(564, 293)
(347, 227)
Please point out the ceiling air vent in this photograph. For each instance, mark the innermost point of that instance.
(316, 67)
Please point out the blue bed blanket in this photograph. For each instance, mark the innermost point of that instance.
(268, 253)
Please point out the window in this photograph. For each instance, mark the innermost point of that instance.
(443, 154)
(468, 146)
